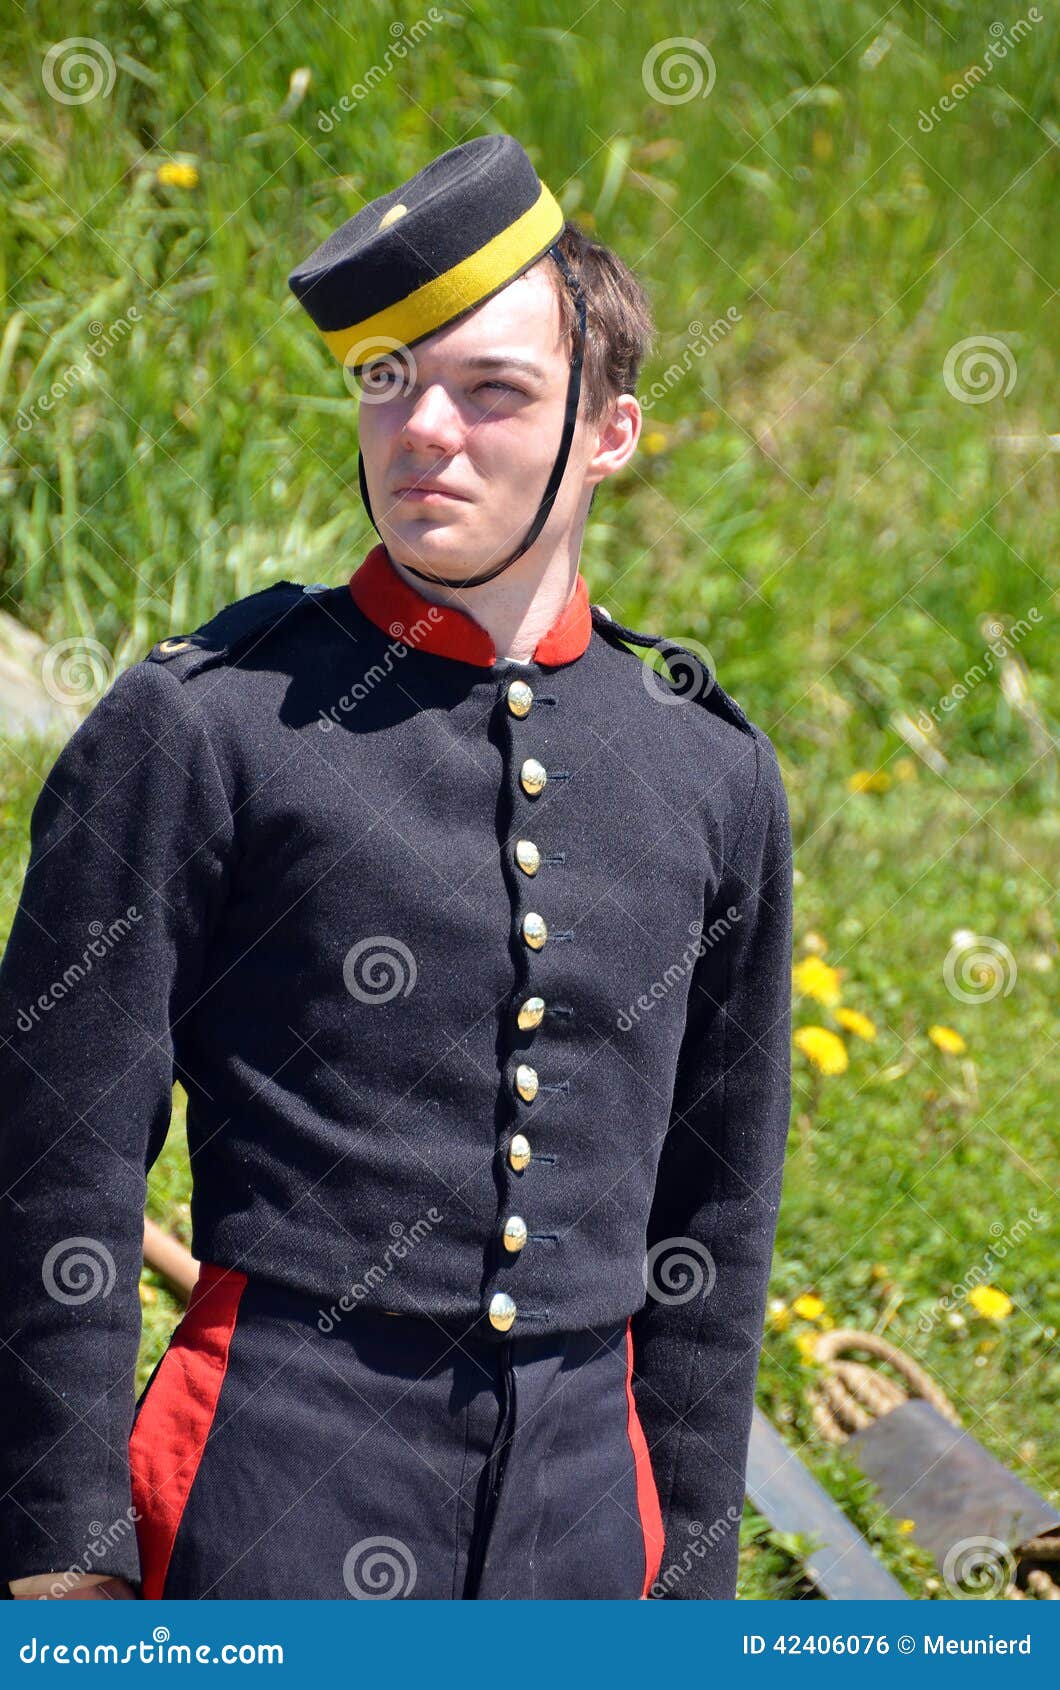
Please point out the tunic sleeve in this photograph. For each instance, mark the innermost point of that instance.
(698, 1337)
(130, 849)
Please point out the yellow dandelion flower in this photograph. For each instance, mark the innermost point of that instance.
(906, 1526)
(869, 780)
(654, 442)
(947, 1039)
(148, 1294)
(988, 1301)
(854, 1022)
(824, 1049)
(815, 979)
(779, 1314)
(806, 1344)
(808, 1306)
(174, 175)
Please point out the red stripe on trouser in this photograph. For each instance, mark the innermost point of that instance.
(647, 1495)
(172, 1424)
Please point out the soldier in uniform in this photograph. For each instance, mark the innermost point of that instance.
(466, 931)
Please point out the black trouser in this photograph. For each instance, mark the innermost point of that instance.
(387, 1457)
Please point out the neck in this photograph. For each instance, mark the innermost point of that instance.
(519, 606)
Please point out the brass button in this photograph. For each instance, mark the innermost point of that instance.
(531, 1013)
(172, 645)
(526, 1081)
(514, 1234)
(502, 1310)
(532, 776)
(534, 930)
(519, 1151)
(527, 856)
(520, 698)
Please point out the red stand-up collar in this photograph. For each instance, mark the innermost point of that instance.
(403, 613)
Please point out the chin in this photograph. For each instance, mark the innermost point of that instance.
(439, 546)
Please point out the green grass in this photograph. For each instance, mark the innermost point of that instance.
(818, 509)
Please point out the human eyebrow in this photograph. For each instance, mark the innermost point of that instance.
(504, 361)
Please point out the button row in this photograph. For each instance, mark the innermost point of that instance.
(532, 777)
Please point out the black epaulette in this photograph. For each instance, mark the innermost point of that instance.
(238, 627)
(713, 696)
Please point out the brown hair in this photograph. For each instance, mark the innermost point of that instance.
(619, 329)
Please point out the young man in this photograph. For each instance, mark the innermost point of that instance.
(468, 936)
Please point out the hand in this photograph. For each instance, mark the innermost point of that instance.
(81, 1587)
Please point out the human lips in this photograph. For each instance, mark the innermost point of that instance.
(425, 490)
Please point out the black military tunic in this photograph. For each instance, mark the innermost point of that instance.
(476, 975)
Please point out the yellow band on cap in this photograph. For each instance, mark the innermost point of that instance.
(447, 296)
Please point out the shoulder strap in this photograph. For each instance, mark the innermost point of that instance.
(237, 628)
(714, 697)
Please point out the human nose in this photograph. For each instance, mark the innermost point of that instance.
(433, 422)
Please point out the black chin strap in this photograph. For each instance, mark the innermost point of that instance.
(570, 417)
